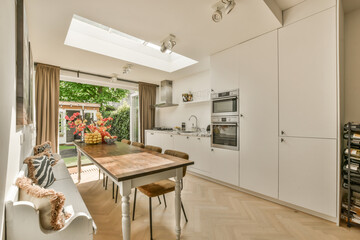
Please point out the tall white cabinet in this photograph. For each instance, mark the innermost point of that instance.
(258, 78)
(288, 106)
(224, 74)
(307, 77)
(308, 113)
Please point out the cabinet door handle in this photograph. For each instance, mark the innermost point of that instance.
(187, 137)
(282, 140)
(282, 132)
(198, 138)
(212, 149)
(152, 133)
(171, 135)
(241, 115)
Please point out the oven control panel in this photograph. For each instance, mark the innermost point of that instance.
(225, 119)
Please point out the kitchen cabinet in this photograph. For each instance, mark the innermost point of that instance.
(307, 77)
(224, 72)
(167, 142)
(198, 149)
(259, 114)
(153, 138)
(225, 165)
(200, 154)
(307, 178)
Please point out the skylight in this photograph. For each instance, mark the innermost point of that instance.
(94, 37)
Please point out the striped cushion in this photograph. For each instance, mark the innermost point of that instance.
(40, 170)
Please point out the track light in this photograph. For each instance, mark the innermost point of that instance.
(217, 15)
(127, 68)
(229, 5)
(168, 43)
(224, 6)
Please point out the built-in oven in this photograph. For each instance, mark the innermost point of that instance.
(225, 103)
(225, 132)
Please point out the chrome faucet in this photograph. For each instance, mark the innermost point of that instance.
(196, 119)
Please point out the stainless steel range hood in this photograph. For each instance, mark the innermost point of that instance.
(165, 94)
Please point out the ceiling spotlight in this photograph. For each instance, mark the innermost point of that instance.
(217, 15)
(229, 5)
(168, 43)
(127, 68)
(224, 6)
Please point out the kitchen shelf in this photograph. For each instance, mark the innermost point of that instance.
(199, 101)
(200, 96)
(351, 175)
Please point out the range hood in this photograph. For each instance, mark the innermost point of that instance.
(165, 94)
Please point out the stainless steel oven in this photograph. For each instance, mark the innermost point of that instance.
(225, 103)
(225, 132)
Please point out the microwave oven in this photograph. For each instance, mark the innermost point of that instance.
(225, 103)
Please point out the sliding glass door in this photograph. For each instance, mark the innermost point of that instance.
(134, 118)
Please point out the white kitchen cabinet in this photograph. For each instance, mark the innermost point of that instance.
(167, 141)
(307, 77)
(198, 149)
(307, 178)
(225, 165)
(200, 154)
(224, 72)
(258, 76)
(153, 138)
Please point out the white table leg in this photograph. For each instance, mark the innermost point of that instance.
(125, 190)
(179, 175)
(79, 165)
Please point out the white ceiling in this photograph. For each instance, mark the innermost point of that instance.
(350, 5)
(285, 4)
(197, 36)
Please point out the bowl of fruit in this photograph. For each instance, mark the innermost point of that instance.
(93, 138)
(110, 139)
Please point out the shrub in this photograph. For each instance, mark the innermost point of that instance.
(120, 125)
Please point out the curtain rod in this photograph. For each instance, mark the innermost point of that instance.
(96, 75)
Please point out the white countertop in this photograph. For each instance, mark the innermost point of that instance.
(197, 134)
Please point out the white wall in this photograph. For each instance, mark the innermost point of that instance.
(352, 66)
(12, 152)
(174, 116)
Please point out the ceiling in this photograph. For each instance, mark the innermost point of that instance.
(285, 4)
(350, 5)
(197, 36)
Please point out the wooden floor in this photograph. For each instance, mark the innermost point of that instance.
(214, 212)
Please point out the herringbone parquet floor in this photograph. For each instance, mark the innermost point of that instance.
(215, 212)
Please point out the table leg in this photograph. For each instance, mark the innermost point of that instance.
(79, 165)
(125, 191)
(179, 175)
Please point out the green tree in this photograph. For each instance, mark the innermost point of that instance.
(78, 92)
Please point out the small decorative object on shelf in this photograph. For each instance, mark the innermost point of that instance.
(187, 97)
(196, 96)
(350, 211)
(95, 132)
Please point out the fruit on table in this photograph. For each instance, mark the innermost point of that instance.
(93, 138)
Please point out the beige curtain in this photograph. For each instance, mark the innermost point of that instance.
(47, 83)
(147, 100)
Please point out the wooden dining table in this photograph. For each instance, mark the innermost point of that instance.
(130, 167)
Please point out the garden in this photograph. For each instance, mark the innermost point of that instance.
(111, 120)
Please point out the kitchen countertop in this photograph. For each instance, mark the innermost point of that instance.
(196, 134)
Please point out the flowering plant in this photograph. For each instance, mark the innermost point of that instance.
(101, 125)
(76, 122)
